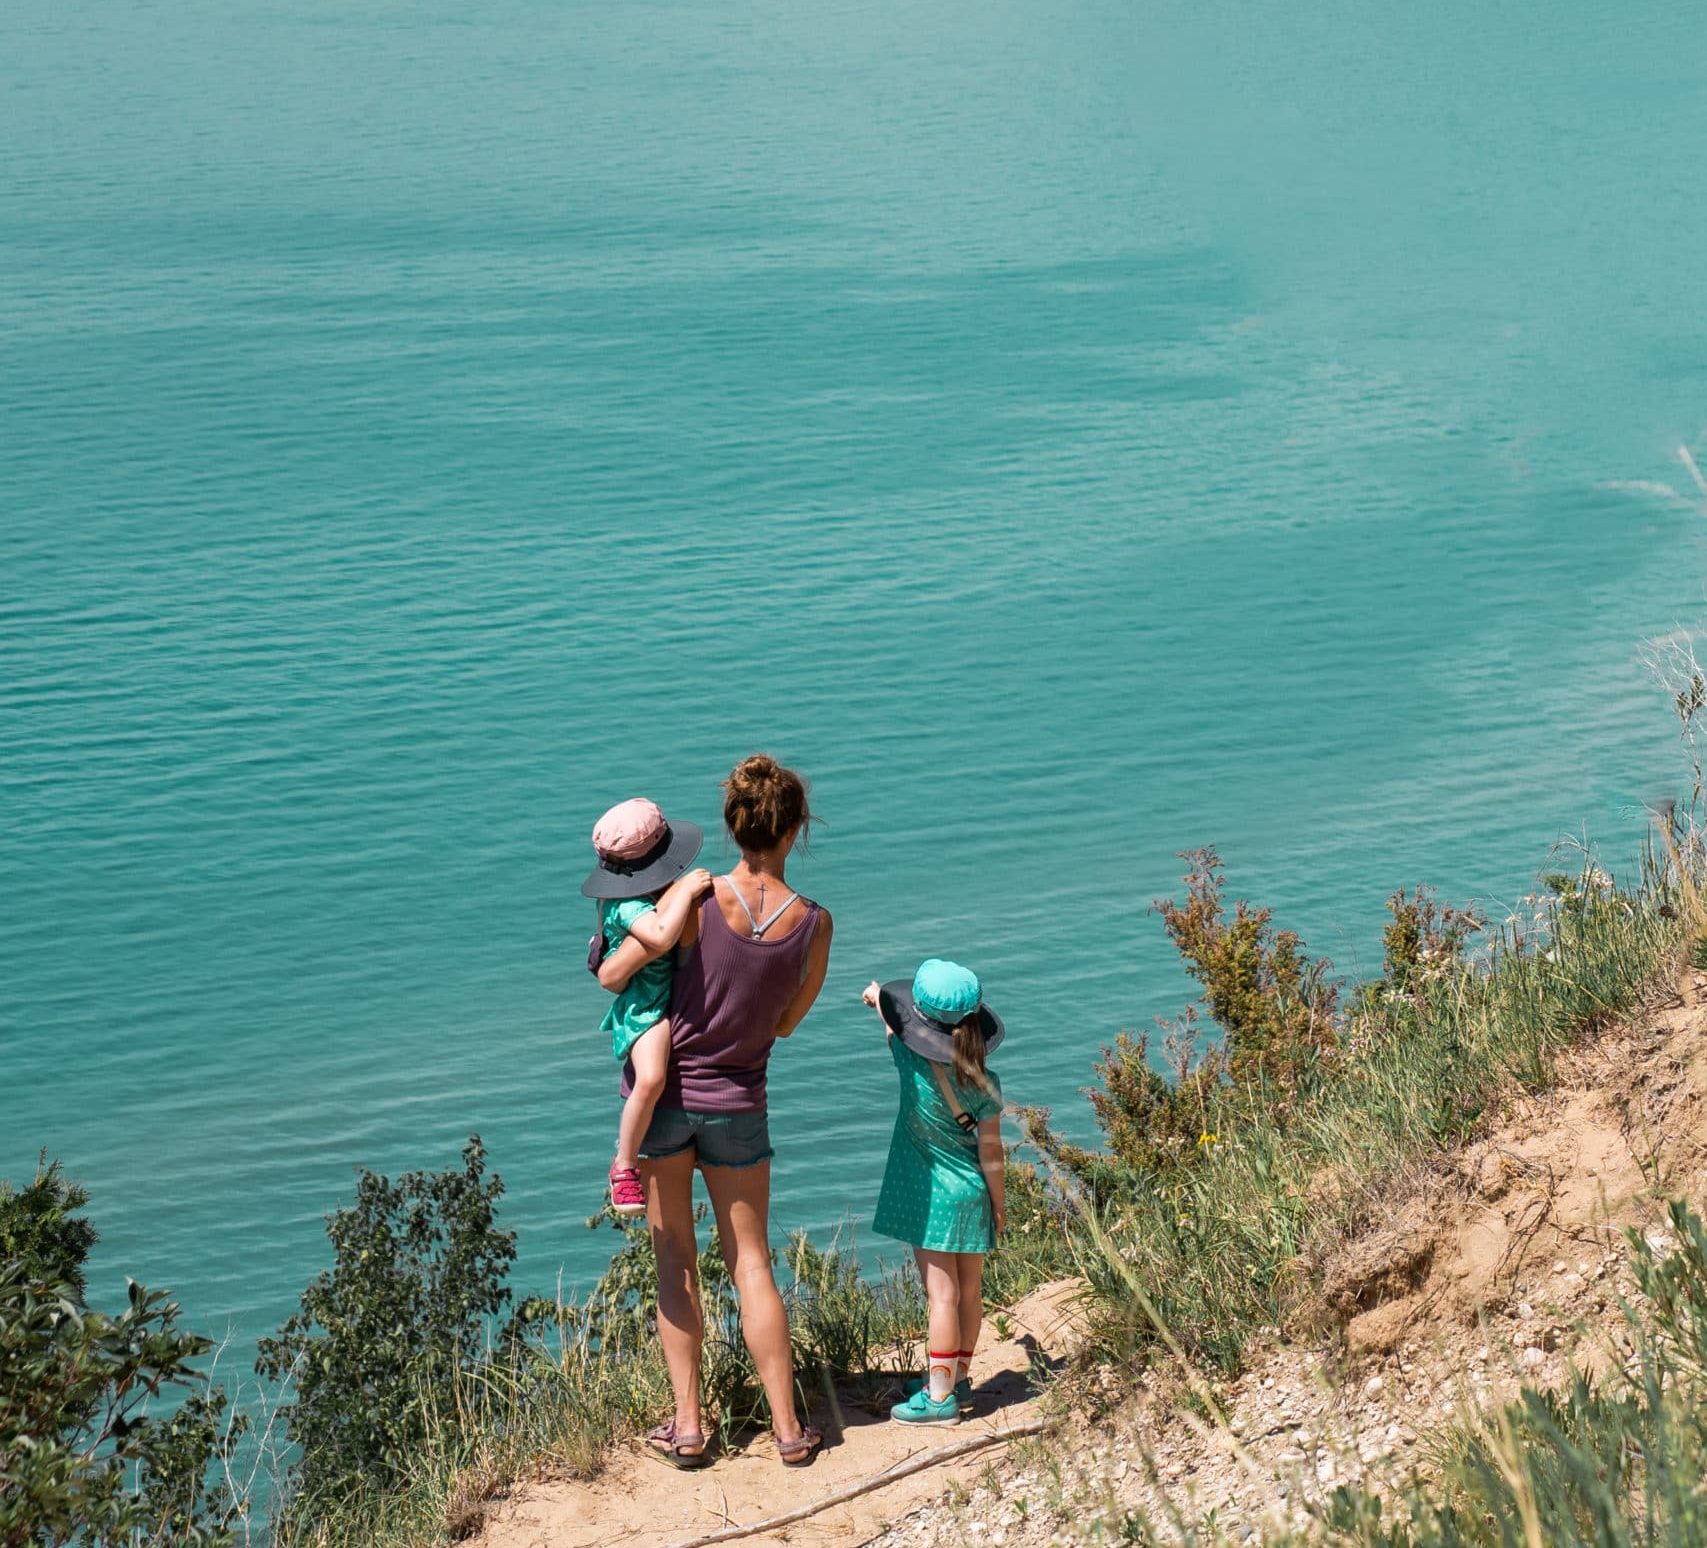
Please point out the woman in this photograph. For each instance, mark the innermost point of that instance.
(751, 961)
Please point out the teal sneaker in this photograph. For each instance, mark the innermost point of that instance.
(919, 1409)
(962, 1390)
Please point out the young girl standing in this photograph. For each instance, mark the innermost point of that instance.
(943, 1190)
(644, 889)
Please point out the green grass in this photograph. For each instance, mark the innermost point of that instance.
(1232, 1241)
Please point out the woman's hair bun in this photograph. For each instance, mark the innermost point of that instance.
(763, 802)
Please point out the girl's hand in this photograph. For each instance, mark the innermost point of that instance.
(870, 992)
(697, 880)
(1000, 1211)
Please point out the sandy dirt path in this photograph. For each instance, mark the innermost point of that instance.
(639, 1502)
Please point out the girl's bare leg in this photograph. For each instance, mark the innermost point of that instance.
(740, 1200)
(651, 1060)
(669, 1212)
(971, 1272)
(941, 1273)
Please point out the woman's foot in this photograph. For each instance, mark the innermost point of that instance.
(799, 1451)
(920, 1409)
(680, 1448)
(627, 1196)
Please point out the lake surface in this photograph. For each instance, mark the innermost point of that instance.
(1068, 433)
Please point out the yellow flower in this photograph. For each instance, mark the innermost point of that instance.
(1206, 1139)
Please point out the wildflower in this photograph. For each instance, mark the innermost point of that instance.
(1206, 1139)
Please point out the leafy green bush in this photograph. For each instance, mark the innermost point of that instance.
(1424, 941)
(1277, 1014)
(82, 1458)
(385, 1339)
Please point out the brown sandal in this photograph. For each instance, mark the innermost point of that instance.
(797, 1453)
(670, 1445)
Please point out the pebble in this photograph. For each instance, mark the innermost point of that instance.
(1374, 1387)
(1532, 1359)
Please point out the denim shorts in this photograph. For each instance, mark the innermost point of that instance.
(717, 1139)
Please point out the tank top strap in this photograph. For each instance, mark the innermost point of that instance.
(759, 929)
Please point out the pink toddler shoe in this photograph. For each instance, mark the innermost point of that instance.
(627, 1197)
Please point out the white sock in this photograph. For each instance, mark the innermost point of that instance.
(941, 1381)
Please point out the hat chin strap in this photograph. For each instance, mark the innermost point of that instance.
(620, 867)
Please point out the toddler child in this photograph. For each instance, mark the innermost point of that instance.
(943, 1187)
(644, 890)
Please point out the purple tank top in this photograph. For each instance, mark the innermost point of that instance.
(728, 995)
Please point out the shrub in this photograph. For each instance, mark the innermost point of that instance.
(81, 1457)
(1276, 1007)
(1425, 940)
(1277, 1013)
(385, 1338)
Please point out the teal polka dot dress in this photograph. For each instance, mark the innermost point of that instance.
(933, 1193)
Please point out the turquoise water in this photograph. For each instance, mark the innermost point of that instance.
(1068, 433)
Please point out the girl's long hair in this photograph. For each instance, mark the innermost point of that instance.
(969, 1054)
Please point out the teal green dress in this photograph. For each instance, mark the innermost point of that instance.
(646, 999)
(933, 1193)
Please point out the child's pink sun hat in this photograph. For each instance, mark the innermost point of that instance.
(639, 850)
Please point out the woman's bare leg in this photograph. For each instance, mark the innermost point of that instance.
(740, 1199)
(941, 1273)
(651, 1060)
(669, 1212)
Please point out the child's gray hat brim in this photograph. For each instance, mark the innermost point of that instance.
(650, 873)
(929, 1038)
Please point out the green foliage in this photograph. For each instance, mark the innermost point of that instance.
(1276, 1007)
(41, 1229)
(1217, 1198)
(1277, 1014)
(1425, 940)
(82, 1458)
(385, 1340)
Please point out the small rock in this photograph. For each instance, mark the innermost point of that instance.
(1532, 1359)
(1558, 1265)
(1525, 1311)
(1374, 1387)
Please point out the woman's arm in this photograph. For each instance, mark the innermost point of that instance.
(993, 1164)
(817, 965)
